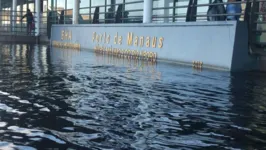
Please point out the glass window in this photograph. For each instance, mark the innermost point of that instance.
(44, 14)
(70, 4)
(133, 11)
(31, 7)
(97, 2)
(84, 3)
(67, 14)
(101, 5)
(49, 7)
(45, 7)
(163, 11)
(181, 13)
(202, 10)
(53, 14)
(110, 11)
(84, 12)
(61, 5)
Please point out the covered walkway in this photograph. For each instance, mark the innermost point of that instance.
(14, 29)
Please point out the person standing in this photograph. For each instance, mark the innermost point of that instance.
(232, 9)
(109, 16)
(263, 10)
(30, 20)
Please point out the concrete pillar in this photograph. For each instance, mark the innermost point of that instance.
(75, 12)
(14, 15)
(166, 11)
(37, 17)
(147, 11)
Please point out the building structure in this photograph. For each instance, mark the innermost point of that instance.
(82, 11)
(172, 23)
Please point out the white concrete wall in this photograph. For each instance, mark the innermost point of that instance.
(213, 43)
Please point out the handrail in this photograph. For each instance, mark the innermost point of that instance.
(12, 24)
(135, 14)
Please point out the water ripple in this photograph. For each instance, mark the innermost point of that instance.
(53, 98)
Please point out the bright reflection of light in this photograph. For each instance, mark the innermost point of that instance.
(44, 59)
(24, 52)
(35, 64)
(17, 51)
(11, 146)
(24, 55)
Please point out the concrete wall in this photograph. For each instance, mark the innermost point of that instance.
(242, 60)
(213, 43)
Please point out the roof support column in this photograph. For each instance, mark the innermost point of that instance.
(75, 11)
(14, 15)
(37, 17)
(147, 11)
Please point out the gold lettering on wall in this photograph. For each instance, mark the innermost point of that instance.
(132, 40)
(62, 34)
(104, 37)
(154, 42)
(66, 35)
(147, 41)
(101, 37)
(141, 41)
(120, 40)
(70, 36)
(66, 45)
(93, 36)
(136, 41)
(160, 45)
(98, 38)
(129, 38)
(116, 37)
(108, 39)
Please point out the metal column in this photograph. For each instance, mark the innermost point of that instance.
(75, 11)
(166, 10)
(147, 11)
(38, 18)
(14, 15)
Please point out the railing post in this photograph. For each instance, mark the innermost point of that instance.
(14, 14)
(37, 19)
(147, 11)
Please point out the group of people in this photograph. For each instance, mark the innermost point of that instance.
(233, 11)
(110, 16)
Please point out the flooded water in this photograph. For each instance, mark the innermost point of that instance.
(67, 99)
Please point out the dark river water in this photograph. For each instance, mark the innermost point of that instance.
(68, 99)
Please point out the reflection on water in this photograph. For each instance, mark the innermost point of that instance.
(133, 65)
(53, 98)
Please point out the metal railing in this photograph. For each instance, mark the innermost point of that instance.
(126, 13)
(179, 11)
(11, 23)
(112, 13)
